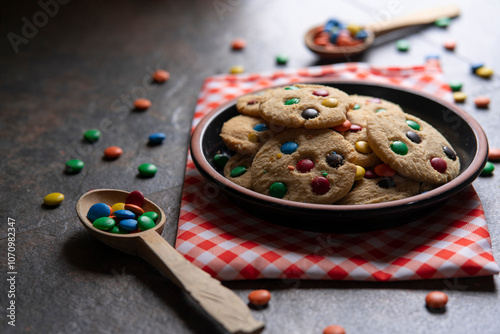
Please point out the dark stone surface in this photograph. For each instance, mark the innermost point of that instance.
(83, 68)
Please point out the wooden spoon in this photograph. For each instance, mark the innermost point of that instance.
(373, 30)
(217, 300)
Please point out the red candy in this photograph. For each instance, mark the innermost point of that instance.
(321, 92)
(384, 170)
(305, 165)
(355, 128)
(439, 164)
(320, 185)
(370, 174)
(112, 152)
(136, 198)
(343, 127)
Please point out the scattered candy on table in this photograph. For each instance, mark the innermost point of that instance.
(334, 329)
(450, 45)
(259, 297)
(494, 154)
(238, 44)
(336, 33)
(142, 104)
(488, 169)
(456, 86)
(436, 300)
(482, 102)
(281, 59)
(484, 72)
(92, 135)
(403, 45)
(160, 76)
(147, 170)
(53, 199)
(157, 138)
(74, 166)
(442, 22)
(113, 152)
(459, 97)
(236, 69)
(475, 66)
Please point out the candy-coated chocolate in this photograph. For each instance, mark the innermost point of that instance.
(117, 230)
(292, 101)
(135, 197)
(456, 86)
(305, 165)
(289, 147)
(334, 329)
(449, 153)
(442, 22)
(320, 185)
(151, 214)
(330, 102)
(384, 170)
(142, 104)
(439, 164)
(380, 109)
(370, 173)
(363, 147)
(113, 152)
(147, 170)
(252, 137)
(291, 88)
(161, 76)
(128, 224)
(356, 107)
(259, 297)
(386, 183)
(399, 147)
(238, 44)
(484, 72)
(362, 35)
(482, 102)
(104, 223)
(321, 92)
(124, 214)
(353, 28)
(360, 173)
(459, 97)
(488, 169)
(403, 45)
(74, 166)
(355, 128)
(494, 154)
(310, 113)
(278, 189)
(334, 160)
(137, 210)
(436, 299)
(414, 137)
(412, 124)
(475, 66)
(117, 206)
(53, 199)
(450, 45)
(220, 160)
(98, 210)
(145, 223)
(261, 127)
(92, 135)
(237, 69)
(344, 126)
(281, 59)
(157, 138)
(238, 171)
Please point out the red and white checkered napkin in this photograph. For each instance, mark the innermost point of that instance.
(231, 244)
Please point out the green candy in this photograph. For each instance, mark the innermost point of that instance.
(356, 107)
(292, 101)
(104, 223)
(238, 171)
(403, 45)
(325, 174)
(281, 59)
(277, 189)
(92, 135)
(74, 166)
(220, 160)
(291, 88)
(456, 86)
(399, 147)
(147, 170)
(488, 169)
(412, 124)
(442, 22)
(151, 214)
(380, 109)
(117, 230)
(145, 223)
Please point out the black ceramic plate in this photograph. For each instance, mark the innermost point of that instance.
(461, 130)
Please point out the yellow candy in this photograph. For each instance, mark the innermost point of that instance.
(330, 103)
(117, 206)
(53, 199)
(484, 72)
(459, 97)
(252, 137)
(236, 69)
(363, 147)
(353, 28)
(360, 173)
(278, 155)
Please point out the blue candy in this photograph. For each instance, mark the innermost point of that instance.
(362, 34)
(98, 210)
(128, 224)
(331, 23)
(124, 214)
(333, 37)
(261, 127)
(157, 138)
(431, 57)
(289, 147)
(475, 66)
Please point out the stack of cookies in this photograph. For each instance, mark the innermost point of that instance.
(317, 144)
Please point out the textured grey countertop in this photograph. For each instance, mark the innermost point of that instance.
(82, 66)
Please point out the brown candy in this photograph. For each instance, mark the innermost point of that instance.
(482, 102)
(161, 76)
(436, 299)
(142, 104)
(494, 154)
(259, 297)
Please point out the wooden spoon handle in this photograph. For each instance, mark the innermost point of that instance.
(422, 17)
(217, 300)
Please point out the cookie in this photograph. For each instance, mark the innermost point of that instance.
(309, 106)
(312, 166)
(373, 104)
(412, 147)
(380, 189)
(238, 170)
(356, 135)
(245, 134)
(250, 104)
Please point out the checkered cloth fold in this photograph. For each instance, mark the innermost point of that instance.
(231, 244)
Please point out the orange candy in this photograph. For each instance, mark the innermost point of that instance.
(161, 76)
(112, 152)
(142, 104)
(343, 127)
(436, 299)
(334, 329)
(450, 45)
(259, 297)
(482, 102)
(238, 44)
(134, 208)
(384, 170)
